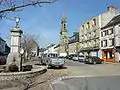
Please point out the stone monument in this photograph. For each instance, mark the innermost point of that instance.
(14, 56)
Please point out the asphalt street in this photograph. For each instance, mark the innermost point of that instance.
(88, 83)
(89, 77)
(84, 76)
(74, 63)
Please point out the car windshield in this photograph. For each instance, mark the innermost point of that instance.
(81, 56)
(52, 55)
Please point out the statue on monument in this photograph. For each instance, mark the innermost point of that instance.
(17, 20)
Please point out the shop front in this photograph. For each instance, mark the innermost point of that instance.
(108, 55)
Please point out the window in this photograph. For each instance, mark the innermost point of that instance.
(101, 34)
(82, 36)
(82, 26)
(85, 36)
(105, 33)
(119, 29)
(64, 26)
(105, 43)
(112, 42)
(89, 35)
(94, 22)
(101, 43)
(110, 31)
(88, 25)
(110, 54)
(94, 33)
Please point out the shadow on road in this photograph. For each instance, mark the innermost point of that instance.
(57, 68)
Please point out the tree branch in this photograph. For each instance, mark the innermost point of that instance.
(13, 8)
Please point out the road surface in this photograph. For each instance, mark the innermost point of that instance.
(89, 77)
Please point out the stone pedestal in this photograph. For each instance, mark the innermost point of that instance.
(15, 48)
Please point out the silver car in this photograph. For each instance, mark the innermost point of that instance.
(53, 60)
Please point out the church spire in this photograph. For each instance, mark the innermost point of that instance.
(63, 36)
(64, 24)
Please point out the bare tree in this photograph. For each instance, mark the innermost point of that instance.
(7, 6)
(29, 44)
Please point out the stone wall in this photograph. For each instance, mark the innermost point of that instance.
(19, 79)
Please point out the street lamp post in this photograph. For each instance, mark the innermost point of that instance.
(21, 52)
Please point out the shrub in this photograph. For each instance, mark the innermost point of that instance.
(27, 68)
(13, 68)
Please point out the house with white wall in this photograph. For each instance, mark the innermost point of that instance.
(50, 49)
(110, 40)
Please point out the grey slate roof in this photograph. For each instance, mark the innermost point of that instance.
(114, 21)
(74, 38)
(2, 39)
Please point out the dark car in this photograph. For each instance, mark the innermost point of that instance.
(93, 60)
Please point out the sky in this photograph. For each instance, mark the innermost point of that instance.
(45, 22)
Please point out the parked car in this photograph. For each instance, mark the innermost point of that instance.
(2, 60)
(93, 60)
(75, 57)
(53, 60)
(81, 58)
(70, 57)
(57, 62)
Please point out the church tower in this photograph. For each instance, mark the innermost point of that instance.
(63, 37)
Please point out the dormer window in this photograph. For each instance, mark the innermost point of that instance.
(94, 22)
(88, 25)
(82, 26)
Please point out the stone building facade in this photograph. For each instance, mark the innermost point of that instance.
(73, 43)
(89, 32)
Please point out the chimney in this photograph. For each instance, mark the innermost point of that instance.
(111, 8)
